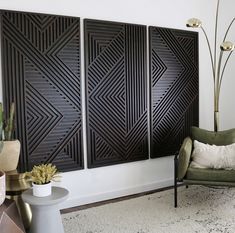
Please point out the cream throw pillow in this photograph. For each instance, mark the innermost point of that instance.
(212, 156)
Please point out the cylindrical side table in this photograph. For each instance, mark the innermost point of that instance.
(16, 184)
(46, 216)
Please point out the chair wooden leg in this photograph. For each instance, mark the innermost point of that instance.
(175, 196)
(175, 180)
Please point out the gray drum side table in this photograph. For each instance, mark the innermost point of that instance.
(46, 216)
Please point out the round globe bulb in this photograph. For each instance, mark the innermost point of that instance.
(194, 23)
(227, 46)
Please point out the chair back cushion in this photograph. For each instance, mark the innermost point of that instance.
(219, 138)
(213, 156)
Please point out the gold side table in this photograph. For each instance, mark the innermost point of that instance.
(16, 184)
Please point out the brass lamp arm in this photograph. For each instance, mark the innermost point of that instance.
(230, 25)
(217, 81)
(209, 47)
(216, 29)
(222, 73)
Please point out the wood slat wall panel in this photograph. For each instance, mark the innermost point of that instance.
(117, 92)
(41, 74)
(175, 90)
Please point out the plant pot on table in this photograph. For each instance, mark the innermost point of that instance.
(41, 190)
(2, 187)
(9, 156)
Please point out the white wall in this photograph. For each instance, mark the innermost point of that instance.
(92, 185)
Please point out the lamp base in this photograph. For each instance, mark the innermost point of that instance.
(216, 121)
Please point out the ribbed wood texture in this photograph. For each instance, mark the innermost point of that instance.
(174, 81)
(117, 92)
(41, 74)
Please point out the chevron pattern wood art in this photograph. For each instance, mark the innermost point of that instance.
(174, 81)
(41, 74)
(117, 92)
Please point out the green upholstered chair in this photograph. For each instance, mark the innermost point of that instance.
(188, 175)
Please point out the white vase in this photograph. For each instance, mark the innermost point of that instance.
(42, 190)
(2, 187)
(9, 156)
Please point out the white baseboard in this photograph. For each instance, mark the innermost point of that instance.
(115, 194)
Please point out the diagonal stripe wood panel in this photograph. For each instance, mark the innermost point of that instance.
(116, 83)
(174, 94)
(41, 74)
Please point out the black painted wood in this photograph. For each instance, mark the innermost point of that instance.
(41, 74)
(175, 91)
(116, 84)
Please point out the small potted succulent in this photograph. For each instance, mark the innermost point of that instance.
(9, 148)
(41, 177)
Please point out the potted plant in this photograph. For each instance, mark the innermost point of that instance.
(9, 148)
(41, 177)
(2, 187)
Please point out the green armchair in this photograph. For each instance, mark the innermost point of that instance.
(189, 175)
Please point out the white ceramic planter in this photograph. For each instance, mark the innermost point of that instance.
(9, 155)
(2, 187)
(42, 190)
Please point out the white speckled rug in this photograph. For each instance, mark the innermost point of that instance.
(200, 210)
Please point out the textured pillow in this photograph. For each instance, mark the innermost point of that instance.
(212, 156)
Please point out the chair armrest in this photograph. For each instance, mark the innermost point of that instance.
(184, 157)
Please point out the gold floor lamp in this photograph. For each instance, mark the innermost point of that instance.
(217, 68)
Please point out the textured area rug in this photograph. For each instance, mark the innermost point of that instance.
(200, 210)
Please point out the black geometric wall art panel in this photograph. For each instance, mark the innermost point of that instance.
(174, 82)
(41, 74)
(116, 81)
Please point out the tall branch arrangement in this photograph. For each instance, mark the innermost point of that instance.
(218, 68)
